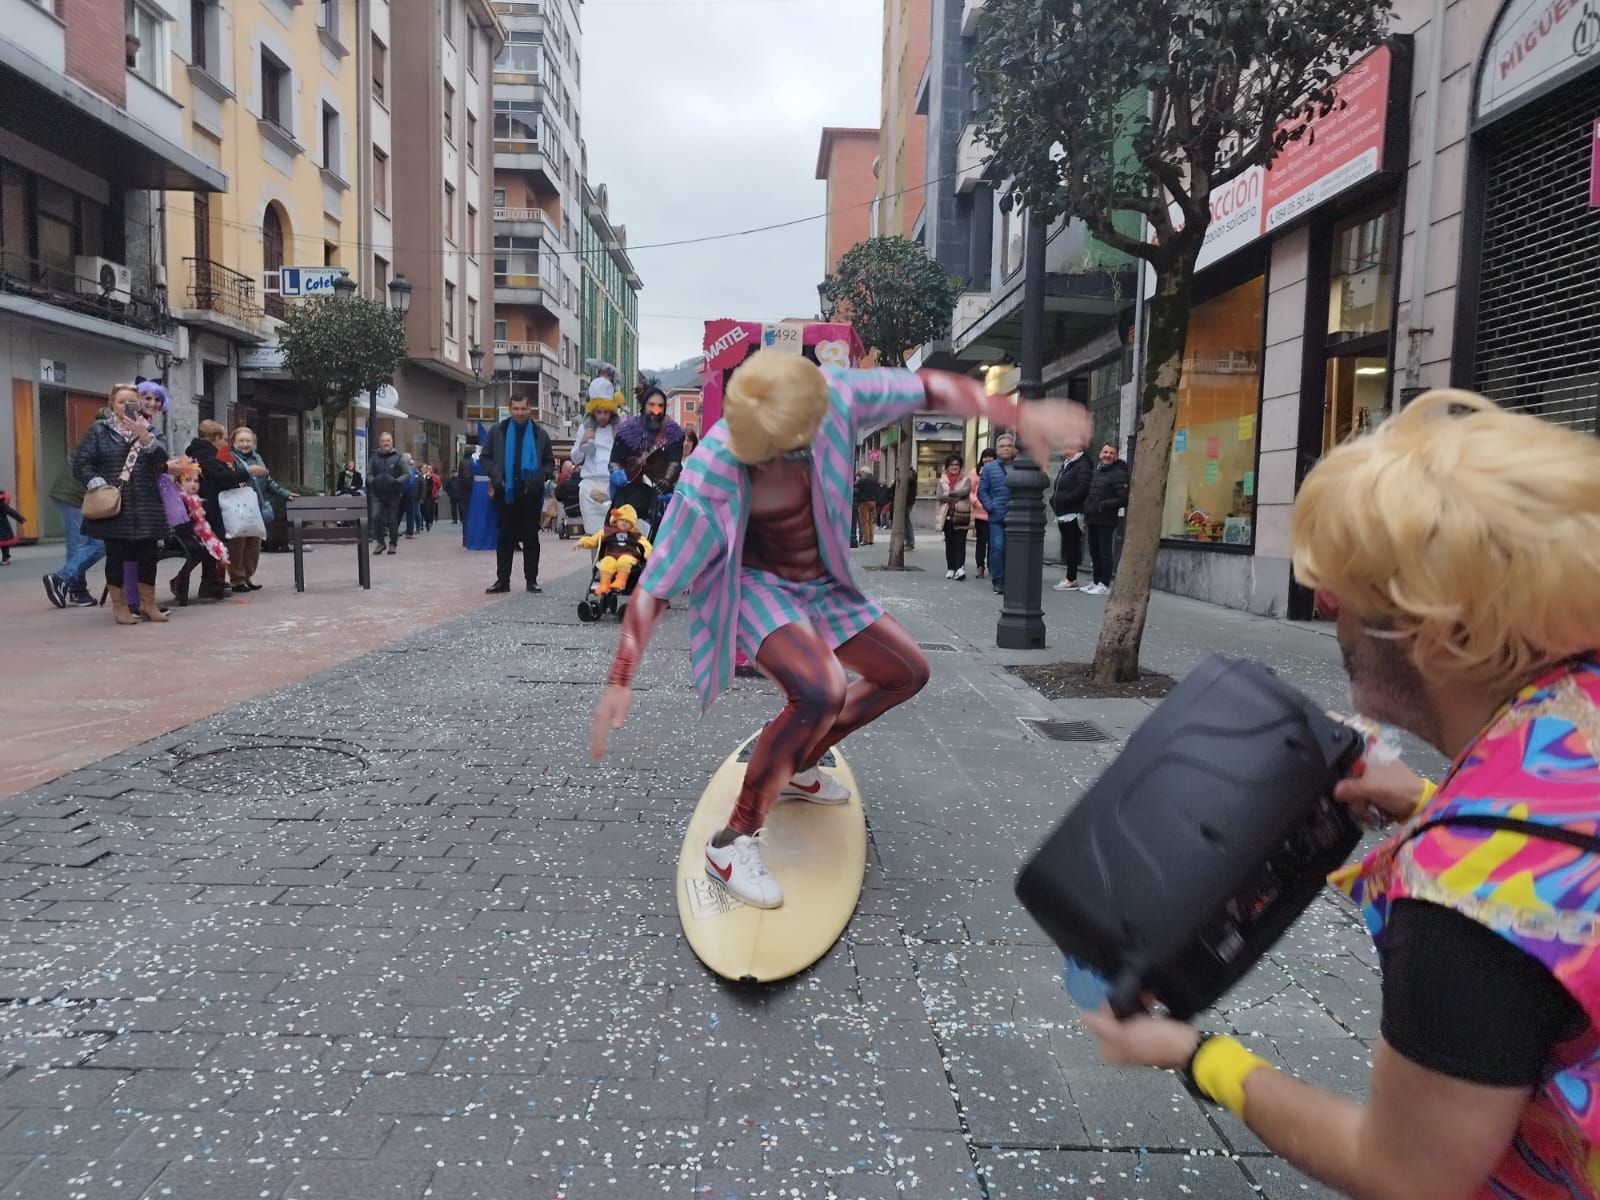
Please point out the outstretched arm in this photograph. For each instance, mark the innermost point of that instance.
(638, 623)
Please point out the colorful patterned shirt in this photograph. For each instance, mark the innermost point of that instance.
(700, 545)
(1537, 761)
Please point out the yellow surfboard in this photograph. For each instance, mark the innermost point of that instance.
(816, 852)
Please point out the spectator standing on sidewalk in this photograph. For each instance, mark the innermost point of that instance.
(124, 441)
(518, 460)
(244, 553)
(386, 474)
(349, 482)
(218, 474)
(994, 492)
(980, 515)
(408, 497)
(8, 535)
(866, 499)
(953, 516)
(69, 584)
(1106, 498)
(1066, 501)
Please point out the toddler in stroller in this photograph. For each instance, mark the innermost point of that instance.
(620, 551)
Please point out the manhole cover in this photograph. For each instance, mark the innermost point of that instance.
(1069, 731)
(941, 647)
(283, 770)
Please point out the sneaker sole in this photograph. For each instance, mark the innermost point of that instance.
(55, 591)
(824, 802)
(722, 883)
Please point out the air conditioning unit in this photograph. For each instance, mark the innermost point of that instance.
(102, 278)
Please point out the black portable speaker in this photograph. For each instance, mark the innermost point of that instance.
(1209, 835)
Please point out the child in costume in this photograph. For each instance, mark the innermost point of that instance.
(624, 549)
(758, 534)
(194, 532)
(8, 536)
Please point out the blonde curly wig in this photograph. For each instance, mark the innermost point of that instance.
(1470, 532)
(774, 403)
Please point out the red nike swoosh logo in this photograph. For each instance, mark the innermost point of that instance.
(811, 791)
(723, 873)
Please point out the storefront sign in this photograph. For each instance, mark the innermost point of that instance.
(261, 358)
(1335, 153)
(1536, 44)
(308, 281)
(1594, 167)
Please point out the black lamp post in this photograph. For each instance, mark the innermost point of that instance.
(1021, 625)
(400, 296)
(475, 357)
(514, 356)
(344, 287)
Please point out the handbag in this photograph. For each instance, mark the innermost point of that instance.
(241, 512)
(103, 503)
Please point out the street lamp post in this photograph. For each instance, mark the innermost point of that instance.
(514, 356)
(1021, 625)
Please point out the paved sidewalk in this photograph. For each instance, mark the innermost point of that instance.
(70, 695)
(385, 933)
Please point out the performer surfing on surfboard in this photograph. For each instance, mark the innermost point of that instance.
(757, 532)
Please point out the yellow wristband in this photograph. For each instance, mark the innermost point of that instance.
(1220, 1068)
(1429, 788)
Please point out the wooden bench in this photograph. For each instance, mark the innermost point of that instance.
(334, 520)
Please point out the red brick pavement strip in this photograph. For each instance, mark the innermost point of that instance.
(76, 687)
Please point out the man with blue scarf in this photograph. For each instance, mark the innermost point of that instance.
(519, 461)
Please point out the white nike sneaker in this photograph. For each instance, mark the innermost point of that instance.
(949, 574)
(816, 787)
(961, 573)
(738, 867)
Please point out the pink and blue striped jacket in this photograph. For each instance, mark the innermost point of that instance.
(700, 545)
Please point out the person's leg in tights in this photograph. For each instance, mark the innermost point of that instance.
(797, 659)
(890, 669)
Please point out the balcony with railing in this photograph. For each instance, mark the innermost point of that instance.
(532, 354)
(51, 291)
(222, 299)
(521, 216)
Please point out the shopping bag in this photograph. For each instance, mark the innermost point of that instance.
(241, 513)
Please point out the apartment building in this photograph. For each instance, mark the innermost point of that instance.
(903, 127)
(270, 93)
(610, 317)
(538, 209)
(93, 142)
(846, 163)
(428, 171)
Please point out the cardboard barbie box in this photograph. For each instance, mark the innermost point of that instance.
(728, 343)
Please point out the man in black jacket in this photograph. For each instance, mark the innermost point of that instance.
(1066, 501)
(386, 478)
(519, 461)
(1108, 495)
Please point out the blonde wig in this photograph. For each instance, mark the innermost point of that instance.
(1469, 532)
(774, 403)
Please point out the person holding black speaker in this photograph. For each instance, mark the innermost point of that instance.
(1458, 549)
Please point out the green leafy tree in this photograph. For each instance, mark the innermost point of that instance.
(337, 350)
(1108, 111)
(896, 298)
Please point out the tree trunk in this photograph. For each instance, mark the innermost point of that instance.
(905, 484)
(332, 410)
(1116, 655)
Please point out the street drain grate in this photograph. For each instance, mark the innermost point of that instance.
(747, 671)
(941, 647)
(279, 769)
(1068, 731)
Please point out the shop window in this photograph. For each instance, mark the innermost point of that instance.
(1361, 277)
(1211, 483)
(1356, 398)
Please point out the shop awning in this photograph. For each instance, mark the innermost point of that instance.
(388, 404)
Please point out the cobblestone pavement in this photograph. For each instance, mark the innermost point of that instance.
(386, 933)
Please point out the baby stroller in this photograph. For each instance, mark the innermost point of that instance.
(593, 606)
(570, 517)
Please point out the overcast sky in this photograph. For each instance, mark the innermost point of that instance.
(703, 117)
